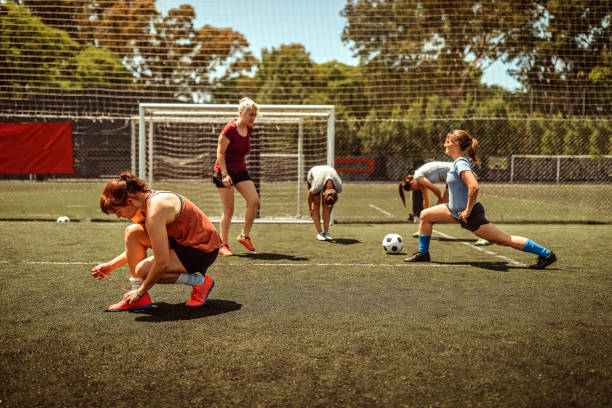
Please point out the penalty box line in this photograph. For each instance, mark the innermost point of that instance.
(486, 251)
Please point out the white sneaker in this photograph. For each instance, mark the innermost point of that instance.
(321, 236)
(327, 236)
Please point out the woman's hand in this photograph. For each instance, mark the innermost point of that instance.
(131, 296)
(100, 271)
(226, 180)
(463, 215)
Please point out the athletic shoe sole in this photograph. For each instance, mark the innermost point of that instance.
(130, 309)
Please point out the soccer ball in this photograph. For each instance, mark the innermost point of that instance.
(393, 243)
(63, 218)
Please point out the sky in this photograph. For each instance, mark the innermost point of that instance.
(316, 24)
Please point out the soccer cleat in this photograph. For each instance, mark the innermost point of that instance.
(142, 303)
(482, 242)
(416, 234)
(544, 261)
(199, 294)
(327, 236)
(246, 241)
(418, 257)
(225, 251)
(321, 236)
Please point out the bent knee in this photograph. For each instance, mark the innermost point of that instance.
(134, 231)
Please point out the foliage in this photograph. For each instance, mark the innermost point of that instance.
(37, 57)
(285, 75)
(562, 58)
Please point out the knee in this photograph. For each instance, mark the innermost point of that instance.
(142, 269)
(134, 232)
(228, 210)
(425, 215)
(253, 202)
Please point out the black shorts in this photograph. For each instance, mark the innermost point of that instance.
(476, 219)
(236, 178)
(193, 259)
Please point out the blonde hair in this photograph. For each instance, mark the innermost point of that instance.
(246, 104)
(466, 142)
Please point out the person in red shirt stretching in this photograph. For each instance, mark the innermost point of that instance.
(231, 171)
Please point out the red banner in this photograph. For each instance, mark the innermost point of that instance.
(36, 148)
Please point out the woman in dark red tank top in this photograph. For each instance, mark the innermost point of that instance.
(231, 172)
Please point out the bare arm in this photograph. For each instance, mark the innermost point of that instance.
(425, 194)
(472, 185)
(100, 271)
(423, 181)
(221, 148)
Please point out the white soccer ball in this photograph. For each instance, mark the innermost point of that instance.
(63, 218)
(393, 243)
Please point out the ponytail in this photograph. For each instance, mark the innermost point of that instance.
(405, 184)
(473, 150)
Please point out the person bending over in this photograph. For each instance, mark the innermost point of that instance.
(463, 207)
(423, 180)
(184, 242)
(324, 185)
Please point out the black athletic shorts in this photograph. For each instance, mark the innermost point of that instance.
(236, 178)
(193, 259)
(476, 219)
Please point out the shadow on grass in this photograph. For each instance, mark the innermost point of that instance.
(442, 239)
(266, 256)
(165, 312)
(345, 241)
(500, 266)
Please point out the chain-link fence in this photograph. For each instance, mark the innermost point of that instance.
(532, 168)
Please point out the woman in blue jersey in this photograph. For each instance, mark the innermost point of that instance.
(463, 207)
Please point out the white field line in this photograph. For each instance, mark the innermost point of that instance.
(381, 210)
(255, 264)
(486, 251)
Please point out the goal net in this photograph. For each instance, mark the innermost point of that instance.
(178, 142)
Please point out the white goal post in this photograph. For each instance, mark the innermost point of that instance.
(178, 141)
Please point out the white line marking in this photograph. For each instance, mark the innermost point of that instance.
(381, 210)
(486, 251)
(369, 265)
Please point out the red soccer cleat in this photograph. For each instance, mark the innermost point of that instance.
(246, 241)
(199, 294)
(142, 303)
(225, 251)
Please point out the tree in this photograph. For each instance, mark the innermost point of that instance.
(413, 48)
(167, 54)
(285, 75)
(563, 51)
(35, 57)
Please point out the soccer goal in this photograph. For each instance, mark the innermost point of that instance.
(178, 143)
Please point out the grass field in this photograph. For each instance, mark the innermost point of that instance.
(375, 202)
(311, 324)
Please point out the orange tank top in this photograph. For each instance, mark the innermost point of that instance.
(191, 228)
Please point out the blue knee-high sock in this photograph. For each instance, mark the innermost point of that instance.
(424, 243)
(534, 248)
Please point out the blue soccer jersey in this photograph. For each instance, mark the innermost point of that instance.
(457, 189)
